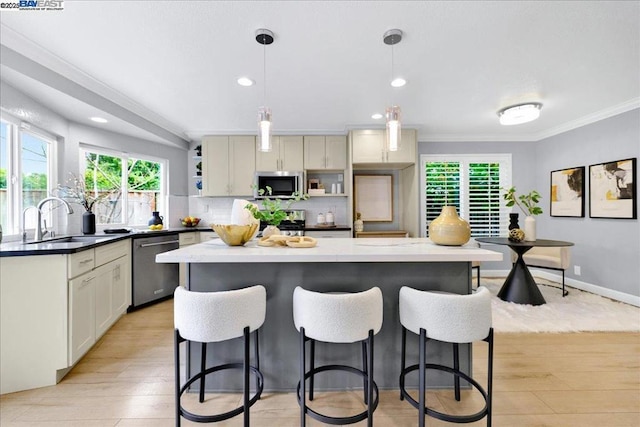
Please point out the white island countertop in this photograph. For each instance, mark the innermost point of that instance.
(332, 250)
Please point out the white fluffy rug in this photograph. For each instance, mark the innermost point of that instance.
(579, 311)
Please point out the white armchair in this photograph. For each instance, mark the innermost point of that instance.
(552, 258)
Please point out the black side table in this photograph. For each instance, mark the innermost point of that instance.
(519, 287)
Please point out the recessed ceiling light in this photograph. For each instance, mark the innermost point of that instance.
(518, 114)
(398, 82)
(245, 81)
(99, 120)
(377, 116)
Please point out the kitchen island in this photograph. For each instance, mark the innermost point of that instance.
(334, 265)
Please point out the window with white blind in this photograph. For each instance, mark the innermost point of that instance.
(472, 183)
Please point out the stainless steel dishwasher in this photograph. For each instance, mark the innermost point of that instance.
(150, 281)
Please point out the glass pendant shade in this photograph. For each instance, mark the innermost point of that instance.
(394, 135)
(264, 128)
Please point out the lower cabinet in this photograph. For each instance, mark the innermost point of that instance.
(186, 239)
(96, 300)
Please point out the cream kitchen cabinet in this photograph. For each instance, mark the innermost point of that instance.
(52, 301)
(99, 297)
(325, 152)
(228, 165)
(286, 154)
(368, 146)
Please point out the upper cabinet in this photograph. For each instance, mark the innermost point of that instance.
(286, 154)
(369, 148)
(325, 152)
(228, 165)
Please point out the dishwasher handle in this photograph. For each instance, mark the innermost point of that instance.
(168, 242)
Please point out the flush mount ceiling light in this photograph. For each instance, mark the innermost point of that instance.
(377, 116)
(518, 114)
(398, 82)
(393, 37)
(264, 37)
(99, 120)
(245, 81)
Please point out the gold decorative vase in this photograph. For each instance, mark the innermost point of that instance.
(449, 229)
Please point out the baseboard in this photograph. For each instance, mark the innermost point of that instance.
(584, 286)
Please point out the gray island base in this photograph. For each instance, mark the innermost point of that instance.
(409, 262)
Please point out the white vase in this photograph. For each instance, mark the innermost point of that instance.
(529, 228)
(270, 230)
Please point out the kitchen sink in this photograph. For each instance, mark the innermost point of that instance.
(73, 239)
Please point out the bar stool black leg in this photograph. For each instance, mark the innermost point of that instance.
(421, 379)
(203, 363)
(489, 340)
(176, 354)
(404, 353)
(365, 387)
(312, 365)
(246, 376)
(303, 396)
(456, 366)
(369, 400)
(257, 355)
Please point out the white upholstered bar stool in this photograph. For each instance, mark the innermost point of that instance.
(337, 318)
(451, 318)
(209, 317)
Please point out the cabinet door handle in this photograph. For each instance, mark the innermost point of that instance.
(85, 282)
(83, 262)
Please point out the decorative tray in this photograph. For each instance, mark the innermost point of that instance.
(279, 240)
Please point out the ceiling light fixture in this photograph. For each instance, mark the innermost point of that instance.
(245, 81)
(518, 114)
(264, 37)
(398, 82)
(98, 120)
(377, 116)
(393, 37)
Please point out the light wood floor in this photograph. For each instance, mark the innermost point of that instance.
(126, 380)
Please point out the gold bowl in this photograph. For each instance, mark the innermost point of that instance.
(233, 234)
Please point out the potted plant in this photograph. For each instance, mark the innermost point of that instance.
(273, 211)
(528, 203)
(76, 192)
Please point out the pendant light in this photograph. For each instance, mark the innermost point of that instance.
(394, 134)
(264, 37)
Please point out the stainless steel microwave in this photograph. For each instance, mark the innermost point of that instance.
(282, 183)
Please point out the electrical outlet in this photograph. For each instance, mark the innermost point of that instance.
(576, 270)
(340, 177)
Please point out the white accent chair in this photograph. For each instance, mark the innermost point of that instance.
(337, 318)
(209, 317)
(552, 258)
(451, 318)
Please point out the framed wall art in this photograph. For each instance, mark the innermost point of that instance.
(567, 192)
(374, 197)
(612, 189)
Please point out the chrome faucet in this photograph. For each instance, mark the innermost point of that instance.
(39, 234)
(24, 222)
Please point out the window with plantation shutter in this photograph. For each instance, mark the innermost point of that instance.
(471, 183)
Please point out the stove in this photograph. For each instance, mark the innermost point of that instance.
(293, 225)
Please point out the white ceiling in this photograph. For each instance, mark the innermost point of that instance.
(175, 64)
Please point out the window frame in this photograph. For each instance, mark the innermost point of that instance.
(15, 130)
(504, 159)
(124, 157)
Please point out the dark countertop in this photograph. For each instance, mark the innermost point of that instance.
(80, 243)
(338, 227)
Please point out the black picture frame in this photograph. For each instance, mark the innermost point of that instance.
(566, 192)
(612, 189)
